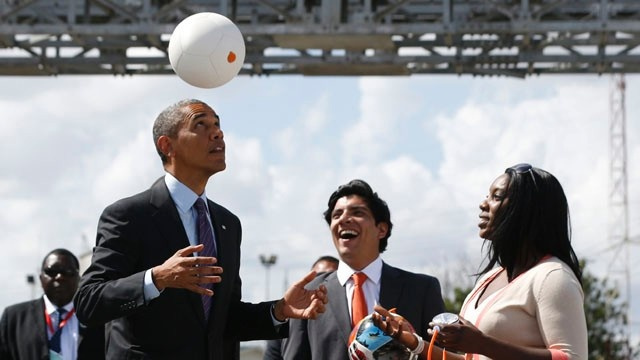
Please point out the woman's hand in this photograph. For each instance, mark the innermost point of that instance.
(461, 336)
(464, 337)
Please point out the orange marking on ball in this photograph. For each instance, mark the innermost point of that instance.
(231, 57)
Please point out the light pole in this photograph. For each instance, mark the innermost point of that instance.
(268, 261)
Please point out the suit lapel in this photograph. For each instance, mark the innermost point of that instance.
(41, 337)
(390, 287)
(166, 217)
(339, 306)
(169, 225)
(219, 229)
(224, 247)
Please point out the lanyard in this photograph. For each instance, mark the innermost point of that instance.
(63, 322)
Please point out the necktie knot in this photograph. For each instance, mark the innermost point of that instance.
(201, 207)
(359, 278)
(60, 312)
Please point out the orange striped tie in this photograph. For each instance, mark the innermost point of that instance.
(358, 301)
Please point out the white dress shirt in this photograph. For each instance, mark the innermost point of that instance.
(371, 287)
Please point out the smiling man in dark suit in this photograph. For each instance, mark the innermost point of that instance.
(360, 225)
(47, 328)
(157, 269)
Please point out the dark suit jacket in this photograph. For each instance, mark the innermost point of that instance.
(23, 334)
(138, 233)
(417, 297)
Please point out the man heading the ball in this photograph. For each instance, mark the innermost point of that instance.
(157, 269)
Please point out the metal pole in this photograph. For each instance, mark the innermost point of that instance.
(267, 261)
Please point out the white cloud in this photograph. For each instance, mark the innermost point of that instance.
(120, 171)
(383, 105)
(315, 118)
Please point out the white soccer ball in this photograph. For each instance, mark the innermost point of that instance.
(206, 50)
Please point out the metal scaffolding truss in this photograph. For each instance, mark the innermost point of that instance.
(330, 37)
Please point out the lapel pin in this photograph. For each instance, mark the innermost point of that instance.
(224, 227)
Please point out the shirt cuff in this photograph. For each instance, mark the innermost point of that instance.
(276, 322)
(150, 290)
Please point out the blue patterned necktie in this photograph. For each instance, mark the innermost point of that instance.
(54, 342)
(205, 237)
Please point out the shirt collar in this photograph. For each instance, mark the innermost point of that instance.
(181, 194)
(50, 308)
(373, 271)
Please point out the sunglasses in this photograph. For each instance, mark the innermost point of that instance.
(524, 168)
(53, 272)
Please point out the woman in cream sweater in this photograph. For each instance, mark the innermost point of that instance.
(528, 301)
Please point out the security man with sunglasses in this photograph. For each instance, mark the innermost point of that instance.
(47, 328)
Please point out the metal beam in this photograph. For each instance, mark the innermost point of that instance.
(371, 37)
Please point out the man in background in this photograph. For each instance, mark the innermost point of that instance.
(323, 264)
(47, 328)
(326, 263)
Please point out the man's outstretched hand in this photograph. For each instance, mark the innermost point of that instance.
(301, 303)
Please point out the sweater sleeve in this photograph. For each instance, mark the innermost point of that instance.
(560, 314)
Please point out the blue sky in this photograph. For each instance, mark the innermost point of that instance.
(430, 145)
